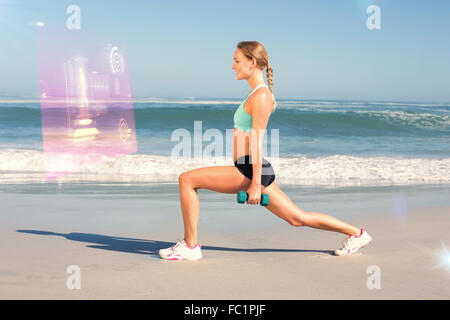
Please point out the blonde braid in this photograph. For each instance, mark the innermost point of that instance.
(269, 74)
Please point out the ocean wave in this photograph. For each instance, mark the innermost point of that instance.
(18, 166)
(312, 117)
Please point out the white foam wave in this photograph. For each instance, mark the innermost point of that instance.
(20, 101)
(184, 101)
(135, 100)
(422, 120)
(339, 170)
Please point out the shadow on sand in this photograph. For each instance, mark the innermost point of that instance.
(143, 246)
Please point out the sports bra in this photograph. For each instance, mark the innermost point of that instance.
(242, 120)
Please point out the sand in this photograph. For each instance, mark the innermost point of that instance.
(114, 236)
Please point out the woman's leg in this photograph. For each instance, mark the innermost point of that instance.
(224, 179)
(283, 207)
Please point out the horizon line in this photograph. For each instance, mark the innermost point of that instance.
(13, 99)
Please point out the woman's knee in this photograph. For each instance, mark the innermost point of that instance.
(299, 219)
(296, 221)
(304, 219)
(184, 178)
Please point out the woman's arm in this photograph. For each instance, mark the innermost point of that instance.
(261, 109)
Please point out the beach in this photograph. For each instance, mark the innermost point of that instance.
(94, 231)
(112, 233)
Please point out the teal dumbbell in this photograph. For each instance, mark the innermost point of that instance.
(242, 197)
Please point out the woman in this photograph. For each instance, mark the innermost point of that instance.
(250, 121)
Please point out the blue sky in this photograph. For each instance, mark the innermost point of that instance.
(319, 49)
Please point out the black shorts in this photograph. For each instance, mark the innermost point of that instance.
(245, 166)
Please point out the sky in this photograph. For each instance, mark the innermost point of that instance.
(319, 49)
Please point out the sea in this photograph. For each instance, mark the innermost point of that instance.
(309, 142)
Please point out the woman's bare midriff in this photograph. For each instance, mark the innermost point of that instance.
(241, 139)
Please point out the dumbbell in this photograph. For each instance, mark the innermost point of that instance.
(242, 197)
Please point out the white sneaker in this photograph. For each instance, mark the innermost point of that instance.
(181, 251)
(352, 243)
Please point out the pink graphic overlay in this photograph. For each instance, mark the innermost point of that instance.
(86, 101)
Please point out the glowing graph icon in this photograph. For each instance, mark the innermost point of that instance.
(116, 60)
(86, 102)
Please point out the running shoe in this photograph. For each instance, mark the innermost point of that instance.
(181, 251)
(353, 243)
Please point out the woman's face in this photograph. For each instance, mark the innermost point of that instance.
(242, 65)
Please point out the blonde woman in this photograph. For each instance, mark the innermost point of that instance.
(250, 122)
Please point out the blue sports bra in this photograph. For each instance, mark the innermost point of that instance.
(242, 120)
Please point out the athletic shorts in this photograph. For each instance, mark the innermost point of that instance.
(245, 166)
